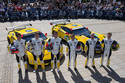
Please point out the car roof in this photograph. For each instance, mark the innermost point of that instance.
(26, 31)
(73, 25)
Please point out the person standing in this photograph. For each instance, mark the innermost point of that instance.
(38, 51)
(72, 51)
(91, 43)
(56, 50)
(19, 44)
(107, 42)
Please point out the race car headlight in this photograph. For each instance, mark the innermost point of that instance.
(103, 36)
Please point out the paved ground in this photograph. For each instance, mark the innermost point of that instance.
(114, 74)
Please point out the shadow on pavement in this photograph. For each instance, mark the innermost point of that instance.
(96, 56)
(44, 80)
(60, 78)
(77, 78)
(98, 77)
(114, 75)
(26, 78)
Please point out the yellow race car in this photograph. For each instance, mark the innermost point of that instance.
(27, 33)
(82, 33)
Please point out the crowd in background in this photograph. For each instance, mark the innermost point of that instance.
(61, 9)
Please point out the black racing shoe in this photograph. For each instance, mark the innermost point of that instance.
(101, 65)
(20, 71)
(69, 68)
(107, 65)
(86, 66)
(75, 68)
(93, 66)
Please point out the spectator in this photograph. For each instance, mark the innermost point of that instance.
(46, 9)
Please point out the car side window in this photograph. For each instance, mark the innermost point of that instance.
(16, 34)
(66, 29)
(12, 34)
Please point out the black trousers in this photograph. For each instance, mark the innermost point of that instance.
(17, 58)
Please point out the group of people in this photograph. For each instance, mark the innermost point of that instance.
(55, 45)
(46, 9)
(38, 49)
(91, 44)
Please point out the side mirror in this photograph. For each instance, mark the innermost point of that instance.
(30, 24)
(45, 34)
(6, 29)
(51, 23)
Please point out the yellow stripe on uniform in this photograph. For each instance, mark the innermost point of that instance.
(42, 65)
(86, 62)
(58, 64)
(19, 66)
(26, 67)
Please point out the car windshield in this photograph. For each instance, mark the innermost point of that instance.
(82, 31)
(28, 37)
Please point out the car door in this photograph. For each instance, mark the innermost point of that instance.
(61, 33)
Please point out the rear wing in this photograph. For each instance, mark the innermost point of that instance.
(18, 27)
(59, 22)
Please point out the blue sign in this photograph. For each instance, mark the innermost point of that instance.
(28, 30)
(74, 25)
(96, 35)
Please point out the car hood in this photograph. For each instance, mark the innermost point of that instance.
(83, 38)
(99, 36)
